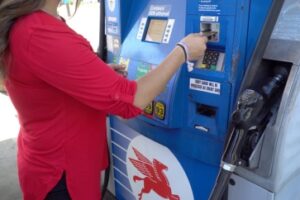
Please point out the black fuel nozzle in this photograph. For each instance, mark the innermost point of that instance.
(252, 110)
(248, 106)
(279, 78)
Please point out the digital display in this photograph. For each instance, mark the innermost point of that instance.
(156, 30)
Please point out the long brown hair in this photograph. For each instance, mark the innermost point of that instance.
(10, 11)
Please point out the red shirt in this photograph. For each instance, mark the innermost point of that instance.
(62, 92)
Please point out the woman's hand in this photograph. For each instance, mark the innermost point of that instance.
(120, 69)
(196, 45)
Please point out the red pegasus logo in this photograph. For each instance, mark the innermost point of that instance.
(155, 178)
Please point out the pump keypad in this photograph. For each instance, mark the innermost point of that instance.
(212, 60)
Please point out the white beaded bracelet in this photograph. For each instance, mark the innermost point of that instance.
(184, 46)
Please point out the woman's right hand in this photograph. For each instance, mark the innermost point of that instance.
(154, 82)
(196, 44)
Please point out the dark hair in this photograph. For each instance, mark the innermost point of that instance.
(10, 11)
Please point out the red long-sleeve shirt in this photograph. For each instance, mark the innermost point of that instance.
(62, 92)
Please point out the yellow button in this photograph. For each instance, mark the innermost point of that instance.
(203, 66)
(160, 110)
(149, 109)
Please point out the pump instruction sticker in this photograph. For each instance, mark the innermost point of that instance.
(207, 6)
(209, 18)
(112, 5)
(160, 10)
(205, 86)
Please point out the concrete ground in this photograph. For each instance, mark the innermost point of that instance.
(9, 126)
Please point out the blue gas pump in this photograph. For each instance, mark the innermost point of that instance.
(173, 150)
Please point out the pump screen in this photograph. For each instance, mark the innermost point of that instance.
(156, 30)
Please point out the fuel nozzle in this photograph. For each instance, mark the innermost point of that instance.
(279, 78)
(249, 121)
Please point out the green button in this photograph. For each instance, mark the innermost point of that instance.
(142, 70)
(213, 67)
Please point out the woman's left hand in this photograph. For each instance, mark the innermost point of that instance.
(120, 69)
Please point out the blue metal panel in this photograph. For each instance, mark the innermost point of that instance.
(214, 7)
(198, 103)
(256, 23)
(122, 193)
(196, 162)
(118, 164)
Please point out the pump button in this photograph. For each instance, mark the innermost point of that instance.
(160, 110)
(149, 109)
(210, 60)
(203, 66)
(213, 67)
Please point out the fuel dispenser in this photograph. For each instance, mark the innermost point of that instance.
(173, 150)
(261, 159)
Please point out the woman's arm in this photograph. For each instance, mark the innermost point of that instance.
(152, 84)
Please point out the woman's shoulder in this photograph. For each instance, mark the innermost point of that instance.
(39, 21)
(39, 30)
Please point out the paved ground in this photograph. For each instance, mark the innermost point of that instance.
(9, 187)
(9, 126)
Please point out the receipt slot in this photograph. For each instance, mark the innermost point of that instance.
(173, 150)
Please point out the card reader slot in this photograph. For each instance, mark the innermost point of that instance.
(206, 110)
(211, 30)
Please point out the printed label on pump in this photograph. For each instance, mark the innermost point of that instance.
(142, 70)
(125, 62)
(205, 86)
(206, 6)
(110, 43)
(112, 25)
(155, 173)
(209, 18)
(160, 10)
(112, 5)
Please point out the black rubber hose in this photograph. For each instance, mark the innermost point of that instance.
(220, 185)
(102, 55)
(106, 177)
(224, 176)
(102, 50)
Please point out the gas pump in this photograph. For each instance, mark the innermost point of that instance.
(173, 150)
(260, 161)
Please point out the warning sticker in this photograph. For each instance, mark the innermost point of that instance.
(208, 8)
(205, 86)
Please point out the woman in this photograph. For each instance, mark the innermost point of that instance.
(63, 92)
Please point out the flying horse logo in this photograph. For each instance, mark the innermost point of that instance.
(155, 178)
